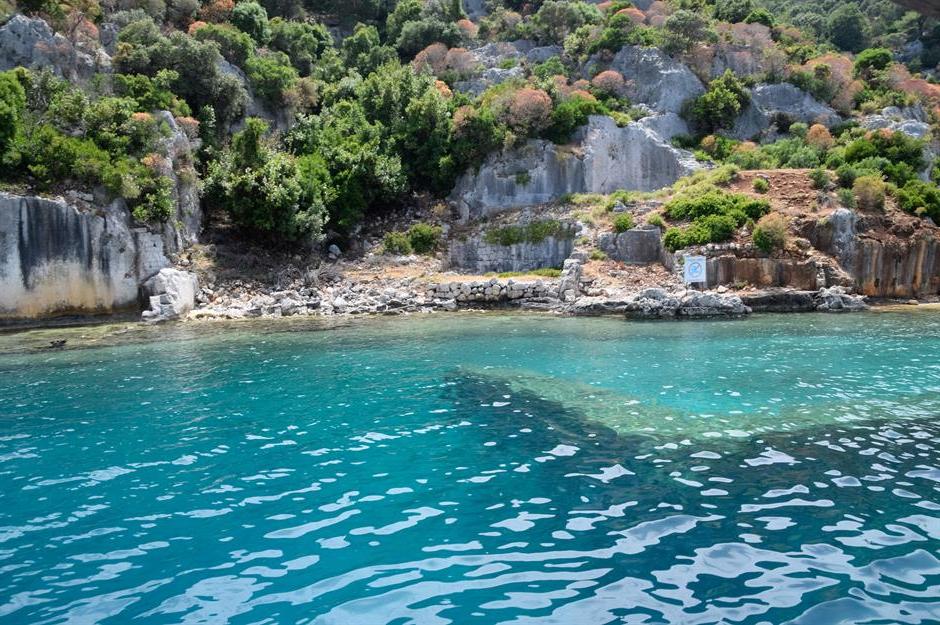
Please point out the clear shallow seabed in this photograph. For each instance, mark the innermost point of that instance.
(475, 469)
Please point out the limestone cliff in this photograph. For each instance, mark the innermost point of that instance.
(602, 159)
(56, 259)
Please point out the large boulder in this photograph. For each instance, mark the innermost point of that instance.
(654, 78)
(31, 43)
(772, 103)
(639, 246)
(172, 295)
(602, 159)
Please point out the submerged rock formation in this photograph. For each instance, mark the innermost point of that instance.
(603, 158)
(56, 259)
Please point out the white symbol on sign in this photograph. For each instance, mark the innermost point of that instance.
(694, 269)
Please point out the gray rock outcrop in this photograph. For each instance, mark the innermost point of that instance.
(603, 159)
(56, 259)
(172, 295)
(782, 100)
(31, 43)
(476, 255)
(639, 246)
(569, 284)
(658, 303)
(654, 78)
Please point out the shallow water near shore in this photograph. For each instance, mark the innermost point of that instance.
(474, 469)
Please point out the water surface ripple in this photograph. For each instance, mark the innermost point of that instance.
(483, 469)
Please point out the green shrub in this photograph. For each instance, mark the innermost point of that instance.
(271, 75)
(920, 198)
(623, 222)
(570, 115)
(235, 45)
(846, 197)
(693, 205)
(720, 105)
(820, 178)
(656, 220)
(597, 254)
(709, 229)
(846, 175)
(869, 193)
(424, 238)
(770, 233)
(761, 185)
(396, 243)
(12, 105)
(251, 18)
(872, 59)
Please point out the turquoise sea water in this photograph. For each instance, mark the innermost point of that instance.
(476, 469)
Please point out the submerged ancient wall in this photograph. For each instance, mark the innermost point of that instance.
(56, 259)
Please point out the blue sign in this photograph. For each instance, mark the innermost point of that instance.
(694, 269)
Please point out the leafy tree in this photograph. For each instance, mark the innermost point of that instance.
(271, 74)
(266, 190)
(235, 45)
(142, 49)
(556, 19)
(720, 105)
(405, 11)
(733, 10)
(250, 17)
(363, 170)
(847, 28)
(684, 29)
(419, 34)
(12, 105)
(760, 16)
(302, 42)
(363, 49)
(872, 60)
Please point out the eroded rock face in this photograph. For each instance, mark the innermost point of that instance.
(56, 259)
(785, 101)
(883, 265)
(654, 78)
(603, 159)
(31, 43)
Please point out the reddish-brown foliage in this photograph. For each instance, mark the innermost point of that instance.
(529, 109)
(610, 82)
(819, 136)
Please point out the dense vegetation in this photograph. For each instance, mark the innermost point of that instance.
(312, 115)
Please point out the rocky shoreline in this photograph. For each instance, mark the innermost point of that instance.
(568, 294)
